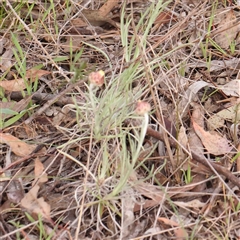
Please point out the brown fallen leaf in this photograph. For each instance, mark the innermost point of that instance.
(19, 147)
(230, 114)
(196, 146)
(180, 233)
(107, 7)
(40, 177)
(189, 95)
(214, 143)
(72, 43)
(20, 83)
(31, 202)
(13, 106)
(156, 195)
(93, 17)
(6, 60)
(33, 73)
(191, 204)
(195, 143)
(228, 29)
(200, 159)
(35, 205)
(183, 140)
(96, 17)
(231, 88)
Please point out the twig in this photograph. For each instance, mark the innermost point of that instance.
(40, 97)
(52, 101)
(23, 159)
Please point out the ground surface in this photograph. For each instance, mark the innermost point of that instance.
(148, 151)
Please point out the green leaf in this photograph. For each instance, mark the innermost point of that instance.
(7, 111)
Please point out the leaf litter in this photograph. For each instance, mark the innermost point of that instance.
(83, 185)
(214, 143)
(20, 83)
(31, 202)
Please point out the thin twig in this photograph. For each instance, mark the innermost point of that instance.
(52, 101)
(40, 97)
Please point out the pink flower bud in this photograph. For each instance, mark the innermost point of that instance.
(97, 78)
(142, 108)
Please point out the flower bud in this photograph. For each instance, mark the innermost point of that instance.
(97, 78)
(142, 108)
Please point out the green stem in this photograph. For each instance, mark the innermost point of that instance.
(141, 139)
(91, 95)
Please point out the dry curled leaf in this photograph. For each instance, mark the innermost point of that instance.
(191, 204)
(36, 205)
(9, 109)
(20, 83)
(19, 147)
(214, 143)
(189, 95)
(40, 176)
(96, 17)
(31, 202)
(6, 60)
(231, 88)
(93, 17)
(227, 30)
(180, 233)
(231, 114)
